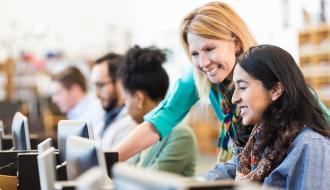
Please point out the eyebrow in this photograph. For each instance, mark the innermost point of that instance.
(241, 81)
(204, 47)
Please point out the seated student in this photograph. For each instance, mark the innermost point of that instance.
(117, 123)
(145, 83)
(289, 146)
(70, 94)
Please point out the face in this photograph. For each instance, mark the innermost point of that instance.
(105, 88)
(250, 96)
(62, 97)
(134, 106)
(216, 58)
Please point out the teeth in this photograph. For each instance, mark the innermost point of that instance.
(212, 71)
(243, 110)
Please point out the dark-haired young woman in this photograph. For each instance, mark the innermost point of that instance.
(289, 147)
(145, 83)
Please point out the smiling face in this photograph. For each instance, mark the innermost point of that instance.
(250, 96)
(216, 58)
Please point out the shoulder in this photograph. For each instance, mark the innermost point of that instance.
(123, 121)
(181, 134)
(182, 130)
(308, 153)
(309, 137)
(308, 142)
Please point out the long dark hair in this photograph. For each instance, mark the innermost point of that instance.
(295, 109)
(142, 70)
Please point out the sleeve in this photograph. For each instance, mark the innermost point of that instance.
(178, 154)
(175, 106)
(223, 170)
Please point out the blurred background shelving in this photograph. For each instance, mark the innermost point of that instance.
(314, 48)
(38, 38)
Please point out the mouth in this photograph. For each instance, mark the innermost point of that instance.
(243, 110)
(212, 71)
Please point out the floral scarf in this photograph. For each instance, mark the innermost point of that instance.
(255, 165)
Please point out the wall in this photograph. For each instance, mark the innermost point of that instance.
(89, 28)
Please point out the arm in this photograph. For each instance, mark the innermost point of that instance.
(175, 106)
(178, 154)
(139, 139)
(160, 121)
(223, 170)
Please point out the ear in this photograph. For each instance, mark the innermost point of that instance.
(140, 98)
(119, 87)
(75, 88)
(276, 91)
(238, 46)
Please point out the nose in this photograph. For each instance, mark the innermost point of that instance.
(204, 60)
(98, 93)
(236, 98)
(54, 98)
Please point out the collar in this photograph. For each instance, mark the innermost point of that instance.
(75, 112)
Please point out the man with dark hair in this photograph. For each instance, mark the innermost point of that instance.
(69, 93)
(117, 122)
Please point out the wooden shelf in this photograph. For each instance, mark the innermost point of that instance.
(314, 48)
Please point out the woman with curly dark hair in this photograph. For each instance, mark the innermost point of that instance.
(289, 147)
(145, 83)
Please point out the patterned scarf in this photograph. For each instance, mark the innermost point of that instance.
(229, 124)
(255, 165)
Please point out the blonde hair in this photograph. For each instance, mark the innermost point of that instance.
(214, 20)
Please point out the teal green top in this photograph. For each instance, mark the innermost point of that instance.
(175, 153)
(179, 101)
(175, 106)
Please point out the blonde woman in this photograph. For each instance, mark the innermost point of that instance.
(213, 36)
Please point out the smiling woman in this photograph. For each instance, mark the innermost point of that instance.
(216, 58)
(252, 104)
(212, 35)
(291, 137)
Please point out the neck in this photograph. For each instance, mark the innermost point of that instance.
(79, 96)
(150, 105)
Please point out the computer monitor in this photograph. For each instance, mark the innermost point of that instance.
(47, 171)
(132, 177)
(93, 179)
(81, 155)
(44, 145)
(20, 132)
(68, 128)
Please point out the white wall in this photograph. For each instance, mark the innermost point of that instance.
(92, 27)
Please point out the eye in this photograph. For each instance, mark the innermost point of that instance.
(194, 54)
(210, 48)
(242, 87)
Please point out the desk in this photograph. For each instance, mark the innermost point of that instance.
(24, 166)
(8, 182)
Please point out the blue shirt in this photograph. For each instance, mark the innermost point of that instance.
(89, 108)
(306, 165)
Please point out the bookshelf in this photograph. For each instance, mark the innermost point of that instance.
(314, 58)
